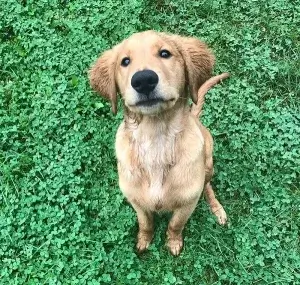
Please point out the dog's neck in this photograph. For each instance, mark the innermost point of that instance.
(153, 139)
(167, 122)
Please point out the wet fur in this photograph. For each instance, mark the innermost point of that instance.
(164, 159)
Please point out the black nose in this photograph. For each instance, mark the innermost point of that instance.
(144, 81)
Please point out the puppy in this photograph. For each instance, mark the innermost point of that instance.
(164, 153)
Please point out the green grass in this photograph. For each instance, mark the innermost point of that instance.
(63, 219)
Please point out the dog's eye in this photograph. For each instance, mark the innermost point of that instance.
(164, 53)
(125, 61)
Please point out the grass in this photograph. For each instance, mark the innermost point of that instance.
(63, 219)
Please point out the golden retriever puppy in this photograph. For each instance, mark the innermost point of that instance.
(164, 153)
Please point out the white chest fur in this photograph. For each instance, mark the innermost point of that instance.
(155, 151)
(156, 158)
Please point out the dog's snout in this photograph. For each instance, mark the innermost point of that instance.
(144, 81)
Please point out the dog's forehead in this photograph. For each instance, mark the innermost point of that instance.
(143, 40)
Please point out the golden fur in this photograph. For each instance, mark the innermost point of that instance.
(164, 153)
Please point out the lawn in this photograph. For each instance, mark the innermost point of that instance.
(63, 219)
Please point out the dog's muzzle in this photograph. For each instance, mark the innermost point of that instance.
(144, 83)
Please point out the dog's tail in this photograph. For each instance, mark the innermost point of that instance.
(197, 108)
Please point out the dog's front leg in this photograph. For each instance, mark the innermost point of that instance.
(176, 225)
(145, 234)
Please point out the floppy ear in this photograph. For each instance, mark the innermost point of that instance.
(102, 77)
(199, 62)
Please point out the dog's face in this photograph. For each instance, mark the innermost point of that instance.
(151, 71)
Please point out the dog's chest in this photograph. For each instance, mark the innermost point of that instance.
(155, 156)
(149, 159)
(155, 152)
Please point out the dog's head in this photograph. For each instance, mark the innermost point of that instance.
(152, 71)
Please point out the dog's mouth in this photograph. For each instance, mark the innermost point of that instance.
(152, 102)
(149, 102)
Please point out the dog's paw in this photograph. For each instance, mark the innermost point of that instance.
(142, 245)
(143, 242)
(221, 215)
(175, 245)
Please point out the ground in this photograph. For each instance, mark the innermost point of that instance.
(63, 219)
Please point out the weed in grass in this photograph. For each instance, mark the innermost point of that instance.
(63, 219)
